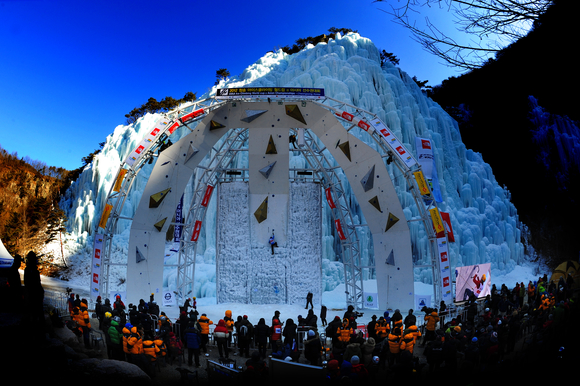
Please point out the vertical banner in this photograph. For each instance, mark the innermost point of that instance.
(96, 266)
(444, 268)
(426, 159)
(207, 196)
(339, 229)
(421, 183)
(437, 222)
(178, 220)
(196, 230)
(447, 224)
(329, 199)
(105, 215)
(119, 180)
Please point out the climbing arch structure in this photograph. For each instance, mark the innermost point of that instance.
(267, 121)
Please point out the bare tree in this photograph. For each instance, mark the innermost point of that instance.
(488, 25)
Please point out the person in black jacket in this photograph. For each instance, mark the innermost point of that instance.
(290, 332)
(261, 335)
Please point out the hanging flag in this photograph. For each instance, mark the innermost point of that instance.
(105, 215)
(329, 198)
(447, 224)
(196, 230)
(339, 229)
(437, 222)
(421, 183)
(96, 266)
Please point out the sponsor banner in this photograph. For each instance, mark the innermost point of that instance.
(447, 224)
(339, 229)
(426, 159)
(444, 268)
(105, 215)
(423, 301)
(96, 266)
(207, 196)
(119, 180)
(270, 92)
(371, 300)
(331, 203)
(425, 156)
(145, 144)
(169, 298)
(421, 183)
(437, 222)
(178, 220)
(396, 146)
(189, 116)
(196, 230)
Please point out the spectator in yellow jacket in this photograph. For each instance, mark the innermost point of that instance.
(204, 324)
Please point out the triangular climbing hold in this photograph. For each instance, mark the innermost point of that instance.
(191, 151)
(267, 169)
(391, 221)
(271, 149)
(253, 114)
(368, 180)
(156, 199)
(139, 256)
(345, 147)
(213, 125)
(391, 259)
(294, 112)
(375, 202)
(262, 212)
(159, 224)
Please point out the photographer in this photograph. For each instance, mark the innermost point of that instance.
(351, 316)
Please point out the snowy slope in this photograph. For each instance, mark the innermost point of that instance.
(485, 222)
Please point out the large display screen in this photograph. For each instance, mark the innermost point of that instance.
(472, 280)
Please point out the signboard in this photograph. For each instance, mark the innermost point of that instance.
(270, 92)
(371, 300)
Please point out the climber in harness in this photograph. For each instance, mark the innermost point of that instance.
(273, 242)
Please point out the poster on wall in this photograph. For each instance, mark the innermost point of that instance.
(472, 280)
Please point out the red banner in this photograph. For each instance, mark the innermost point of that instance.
(196, 230)
(193, 114)
(447, 224)
(207, 196)
(363, 125)
(329, 198)
(173, 127)
(339, 229)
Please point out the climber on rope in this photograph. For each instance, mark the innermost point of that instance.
(273, 242)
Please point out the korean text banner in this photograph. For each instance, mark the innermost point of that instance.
(269, 92)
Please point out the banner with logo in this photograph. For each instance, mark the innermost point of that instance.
(445, 270)
(178, 220)
(423, 301)
(396, 146)
(270, 92)
(169, 298)
(371, 300)
(96, 266)
(145, 144)
(426, 159)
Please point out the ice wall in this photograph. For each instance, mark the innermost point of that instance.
(485, 222)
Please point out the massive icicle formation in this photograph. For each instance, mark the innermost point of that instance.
(485, 222)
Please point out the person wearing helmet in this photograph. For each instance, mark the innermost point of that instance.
(116, 339)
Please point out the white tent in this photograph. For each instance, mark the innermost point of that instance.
(6, 259)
